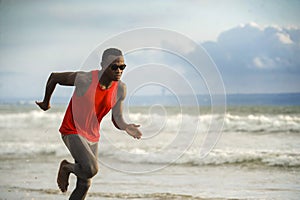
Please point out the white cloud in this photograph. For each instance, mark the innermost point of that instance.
(250, 24)
(254, 46)
(284, 38)
(258, 62)
(41, 36)
(258, 53)
(263, 62)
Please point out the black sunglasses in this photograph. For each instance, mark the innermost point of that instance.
(115, 67)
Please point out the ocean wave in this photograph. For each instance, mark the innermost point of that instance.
(232, 123)
(250, 157)
(31, 118)
(251, 123)
(24, 149)
(284, 159)
(262, 123)
(217, 157)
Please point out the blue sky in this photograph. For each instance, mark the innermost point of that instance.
(255, 44)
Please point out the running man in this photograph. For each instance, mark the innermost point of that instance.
(96, 93)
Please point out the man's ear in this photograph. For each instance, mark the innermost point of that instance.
(103, 64)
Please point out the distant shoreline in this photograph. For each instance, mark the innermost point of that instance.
(275, 99)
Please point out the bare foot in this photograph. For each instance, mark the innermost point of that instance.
(63, 176)
(43, 106)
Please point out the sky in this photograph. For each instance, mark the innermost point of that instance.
(255, 45)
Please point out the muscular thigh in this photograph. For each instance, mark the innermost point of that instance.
(80, 148)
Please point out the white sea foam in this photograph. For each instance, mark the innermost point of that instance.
(233, 122)
(268, 158)
(21, 149)
(167, 126)
(262, 123)
(32, 118)
(216, 157)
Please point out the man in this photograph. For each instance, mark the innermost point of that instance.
(96, 93)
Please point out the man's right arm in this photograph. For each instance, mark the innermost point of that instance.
(63, 78)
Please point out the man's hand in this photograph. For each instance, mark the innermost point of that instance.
(132, 129)
(44, 106)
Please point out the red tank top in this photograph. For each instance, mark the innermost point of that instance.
(84, 113)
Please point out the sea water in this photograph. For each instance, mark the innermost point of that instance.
(256, 156)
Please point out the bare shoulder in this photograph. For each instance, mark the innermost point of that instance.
(121, 90)
(83, 79)
(122, 85)
(82, 82)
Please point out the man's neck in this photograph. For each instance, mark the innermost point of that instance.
(104, 82)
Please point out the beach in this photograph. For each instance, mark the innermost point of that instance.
(256, 157)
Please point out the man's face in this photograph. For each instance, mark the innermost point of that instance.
(114, 70)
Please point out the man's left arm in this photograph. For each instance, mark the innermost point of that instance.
(117, 115)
